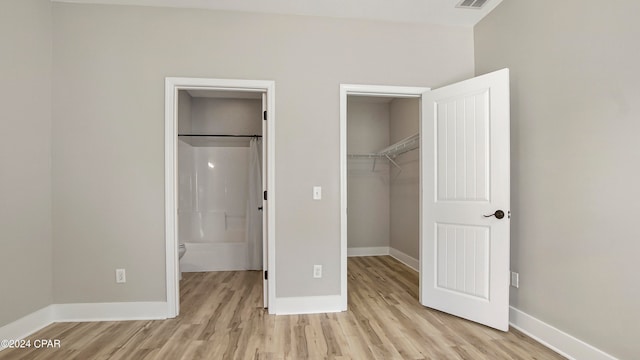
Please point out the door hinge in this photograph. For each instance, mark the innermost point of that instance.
(266, 275)
(264, 115)
(265, 195)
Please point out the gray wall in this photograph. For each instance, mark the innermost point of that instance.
(576, 163)
(405, 187)
(25, 157)
(367, 189)
(108, 151)
(226, 116)
(184, 112)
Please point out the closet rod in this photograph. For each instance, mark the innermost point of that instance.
(214, 135)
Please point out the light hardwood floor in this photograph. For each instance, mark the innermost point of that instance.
(221, 318)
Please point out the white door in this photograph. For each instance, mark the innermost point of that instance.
(465, 168)
(265, 248)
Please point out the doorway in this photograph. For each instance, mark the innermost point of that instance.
(220, 224)
(370, 153)
(464, 195)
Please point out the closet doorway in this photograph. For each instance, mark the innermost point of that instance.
(219, 146)
(383, 175)
(464, 192)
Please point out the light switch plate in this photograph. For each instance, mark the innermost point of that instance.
(515, 279)
(317, 192)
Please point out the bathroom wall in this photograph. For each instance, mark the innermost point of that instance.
(367, 190)
(184, 112)
(226, 116)
(405, 186)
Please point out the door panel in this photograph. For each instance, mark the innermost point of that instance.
(465, 176)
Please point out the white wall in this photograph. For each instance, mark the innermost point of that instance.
(25, 158)
(405, 186)
(367, 189)
(576, 163)
(109, 68)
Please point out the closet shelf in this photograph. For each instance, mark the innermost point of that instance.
(407, 144)
(392, 151)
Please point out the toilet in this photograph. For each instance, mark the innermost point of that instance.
(181, 250)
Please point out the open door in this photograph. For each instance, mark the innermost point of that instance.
(265, 247)
(465, 218)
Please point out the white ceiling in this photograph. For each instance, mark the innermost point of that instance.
(417, 11)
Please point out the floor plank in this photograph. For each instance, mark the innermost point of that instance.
(222, 318)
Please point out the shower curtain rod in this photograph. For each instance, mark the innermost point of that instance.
(221, 135)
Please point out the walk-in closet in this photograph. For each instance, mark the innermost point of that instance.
(383, 177)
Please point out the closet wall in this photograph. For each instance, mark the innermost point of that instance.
(383, 214)
(367, 190)
(405, 187)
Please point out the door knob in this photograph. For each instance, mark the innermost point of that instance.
(499, 214)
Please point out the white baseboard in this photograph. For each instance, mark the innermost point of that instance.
(368, 251)
(46, 316)
(27, 325)
(555, 339)
(405, 259)
(309, 305)
(152, 310)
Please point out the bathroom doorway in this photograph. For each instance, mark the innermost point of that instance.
(219, 170)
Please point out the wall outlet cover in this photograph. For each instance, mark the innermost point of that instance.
(317, 271)
(121, 276)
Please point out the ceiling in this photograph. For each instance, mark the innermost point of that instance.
(416, 11)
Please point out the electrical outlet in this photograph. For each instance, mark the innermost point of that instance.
(515, 279)
(317, 271)
(121, 276)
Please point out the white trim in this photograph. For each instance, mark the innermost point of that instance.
(308, 305)
(405, 259)
(172, 85)
(555, 339)
(120, 311)
(48, 315)
(27, 325)
(368, 251)
(358, 90)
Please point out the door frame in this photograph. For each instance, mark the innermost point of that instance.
(172, 86)
(372, 91)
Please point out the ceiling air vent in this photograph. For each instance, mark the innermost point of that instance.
(471, 4)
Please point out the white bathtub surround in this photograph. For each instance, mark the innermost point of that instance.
(212, 207)
(254, 214)
(225, 256)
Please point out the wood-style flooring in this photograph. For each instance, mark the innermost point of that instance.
(222, 318)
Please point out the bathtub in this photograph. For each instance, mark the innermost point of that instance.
(215, 241)
(219, 256)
